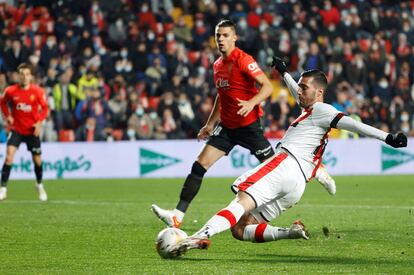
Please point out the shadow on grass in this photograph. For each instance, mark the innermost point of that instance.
(321, 260)
(267, 258)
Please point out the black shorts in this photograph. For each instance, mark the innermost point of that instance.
(250, 137)
(32, 142)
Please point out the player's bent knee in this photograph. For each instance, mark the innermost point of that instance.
(198, 170)
(237, 232)
(9, 159)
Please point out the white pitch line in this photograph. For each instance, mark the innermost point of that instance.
(111, 203)
(80, 202)
(361, 206)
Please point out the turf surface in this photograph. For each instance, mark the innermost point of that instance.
(106, 226)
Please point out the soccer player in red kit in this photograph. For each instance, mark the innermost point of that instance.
(236, 110)
(24, 108)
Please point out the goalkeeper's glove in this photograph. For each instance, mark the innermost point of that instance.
(396, 140)
(279, 65)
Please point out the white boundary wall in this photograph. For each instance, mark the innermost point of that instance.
(174, 158)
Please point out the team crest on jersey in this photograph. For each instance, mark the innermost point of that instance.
(222, 83)
(32, 97)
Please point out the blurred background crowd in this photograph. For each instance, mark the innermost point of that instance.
(135, 69)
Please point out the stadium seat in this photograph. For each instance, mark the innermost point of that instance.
(117, 134)
(66, 135)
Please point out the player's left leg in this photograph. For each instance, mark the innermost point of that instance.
(13, 141)
(221, 221)
(33, 145)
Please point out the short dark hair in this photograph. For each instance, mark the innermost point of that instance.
(318, 76)
(25, 66)
(226, 23)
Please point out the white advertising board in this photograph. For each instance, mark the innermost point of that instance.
(174, 158)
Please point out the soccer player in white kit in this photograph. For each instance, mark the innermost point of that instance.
(278, 184)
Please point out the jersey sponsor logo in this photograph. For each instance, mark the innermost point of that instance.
(253, 67)
(27, 108)
(391, 157)
(222, 83)
(150, 161)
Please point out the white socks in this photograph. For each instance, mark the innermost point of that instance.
(223, 220)
(264, 232)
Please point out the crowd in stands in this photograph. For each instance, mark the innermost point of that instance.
(135, 69)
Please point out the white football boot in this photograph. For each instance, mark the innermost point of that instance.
(42, 192)
(297, 231)
(326, 180)
(3, 193)
(192, 242)
(167, 216)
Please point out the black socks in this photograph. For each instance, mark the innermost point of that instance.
(191, 186)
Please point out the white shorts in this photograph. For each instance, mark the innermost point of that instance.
(274, 185)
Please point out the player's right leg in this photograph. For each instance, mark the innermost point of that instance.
(13, 141)
(173, 218)
(221, 221)
(34, 146)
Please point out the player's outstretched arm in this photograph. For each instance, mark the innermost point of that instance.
(394, 140)
(281, 67)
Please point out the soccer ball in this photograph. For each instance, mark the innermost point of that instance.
(167, 239)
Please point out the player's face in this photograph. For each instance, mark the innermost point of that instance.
(225, 40)
(25, 77)
(308, 93)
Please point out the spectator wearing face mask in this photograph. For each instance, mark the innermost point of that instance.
(117, 32)
(48, 51)
(65, 95)
(329, 14)
(158, 129)
(383, 90)
(87, 83)
(405, 119)
(167, 101)
(238, 12)
(139, 58)
(146, 19)
(187, 116)
(118, 106)
(200, 32)
(254, 17)
(182, 32)
(171, 126)
(140, 125)
(156, 74)
(15, 55)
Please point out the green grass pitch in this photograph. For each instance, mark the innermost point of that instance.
(106, 227)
